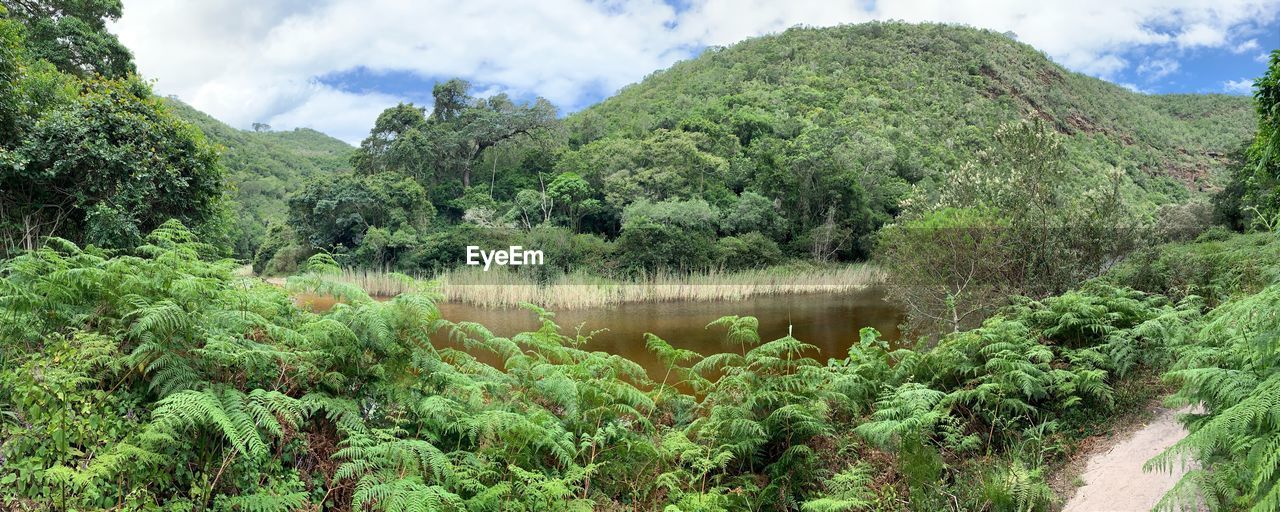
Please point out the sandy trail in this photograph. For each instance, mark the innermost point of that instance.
(1114, 480)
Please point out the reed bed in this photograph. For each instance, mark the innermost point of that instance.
(379, 283)
(501, 289)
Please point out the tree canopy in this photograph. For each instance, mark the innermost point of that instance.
(95, 160)
(73, 35)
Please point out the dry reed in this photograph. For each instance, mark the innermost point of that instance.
(500, 289)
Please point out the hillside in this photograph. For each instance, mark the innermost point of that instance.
(913, 100)
(799, 145)
(265, 167)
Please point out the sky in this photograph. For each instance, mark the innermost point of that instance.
(333, 65)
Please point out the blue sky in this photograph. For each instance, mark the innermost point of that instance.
(1210, 70)
(333, 65)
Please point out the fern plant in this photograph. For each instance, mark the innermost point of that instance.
(1231, 370)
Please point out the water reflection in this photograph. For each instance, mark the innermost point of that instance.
(829, 321)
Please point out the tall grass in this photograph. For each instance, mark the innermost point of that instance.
(499, 289)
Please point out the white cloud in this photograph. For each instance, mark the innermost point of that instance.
(1246, 46)
(343, 115)
(1133, 88)
(1201, 34)
(1263, 58)
(1158, 68)
(1241, 86)
(256, 60)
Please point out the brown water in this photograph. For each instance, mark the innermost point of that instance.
(828, 321)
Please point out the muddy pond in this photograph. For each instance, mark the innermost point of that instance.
(828, 321)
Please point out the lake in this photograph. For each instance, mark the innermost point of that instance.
(829, 321)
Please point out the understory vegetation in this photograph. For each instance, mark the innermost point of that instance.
(159, 379)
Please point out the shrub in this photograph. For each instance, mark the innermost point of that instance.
(751, 250)
(668, 236)
(1182, 222)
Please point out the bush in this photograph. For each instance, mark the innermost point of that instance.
(751, 250)
(280, 252)
(668, 236)
(1213, 267)
(446, 248)
(566, 252)
(949, 266)
(1229, 370)
(162, 377)
(752, 212)
(1182, 222)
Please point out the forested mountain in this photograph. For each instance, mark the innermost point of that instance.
(799, 145)
(917, 98)
(796, 115)
(264, 166)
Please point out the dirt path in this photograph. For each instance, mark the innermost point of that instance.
(1114, 480)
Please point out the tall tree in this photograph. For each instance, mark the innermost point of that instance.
(338, 210)
(441, 150)
(1262, 184)
(10, 52)
(463, 127)
(396, 143)
(72, 34)
(106, 167)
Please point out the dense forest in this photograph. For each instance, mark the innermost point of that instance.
(798, 146)
(1067, 252)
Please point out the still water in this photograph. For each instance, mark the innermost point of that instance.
(828, 321)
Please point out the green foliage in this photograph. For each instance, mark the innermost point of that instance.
(1009, 223)
(668, 235)
(668, 165)
(10, 53)
(158, 378)
(1024, 380)
(1217, 266)
(441, 150)
(1224, 367)
(572, 195)
(103, 166)
(848, 490)
(566, 251)
(263, 169)
(151, 377)
(752, 212)
(1018, 488)
(840, 124)
(751, 250)
(947, 266)
(816, 138)
(1230, 370)
(73, 35)
(1261, 172)
(380, 214)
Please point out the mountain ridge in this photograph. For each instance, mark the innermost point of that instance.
(264, 167)
(986, 69)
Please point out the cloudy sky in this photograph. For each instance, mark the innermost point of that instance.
(333, 65)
